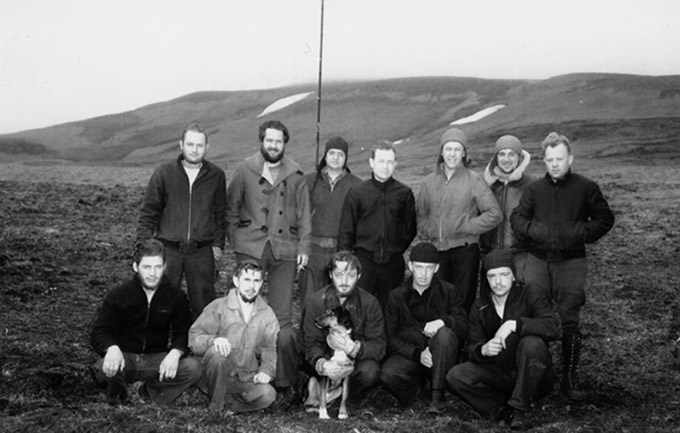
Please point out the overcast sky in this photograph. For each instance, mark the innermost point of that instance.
(63, 60)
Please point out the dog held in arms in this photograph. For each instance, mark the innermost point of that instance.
(322, 392)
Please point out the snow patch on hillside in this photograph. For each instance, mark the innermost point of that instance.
(478, 115)
(283, 103)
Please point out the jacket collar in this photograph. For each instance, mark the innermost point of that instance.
(559, 182)
(492, 174)
(255, 163)
(233, 302)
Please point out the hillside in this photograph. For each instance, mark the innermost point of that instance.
(605, 114)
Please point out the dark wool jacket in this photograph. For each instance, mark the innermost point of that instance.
(367, 320)
(528, 306)
(258, 212)
(557, 219)
(404, 333)
(127, 319)
(327, 204)
(171, 212)
(378, 220)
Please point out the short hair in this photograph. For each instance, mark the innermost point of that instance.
(554, 139)
(194, 127)
(383, 145)
(345, 256)
(149, 248)
(273, 124)
(248, 265)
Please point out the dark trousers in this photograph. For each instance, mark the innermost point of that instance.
(227, 390)
(315, 276)
(366, 375)
(488, 387)
(145, 367)
(288, 356)
(402, 376)
(280, 280)
(199, 269)
(379, 279)
(460, 267)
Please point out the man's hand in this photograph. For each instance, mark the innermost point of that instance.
(302, 260)
(262, 378)
(426, 357)
(113, 361)
(507, 328)
(492, 347)
(336, 371)
(168, 368)
(217, 253)
(222, 345)
(339, 341)
(432, 327)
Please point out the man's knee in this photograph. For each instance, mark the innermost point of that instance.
(444, 338)
(456, 376)
(532, 346)
(190, 368)
(268, 395)
(367, 372)
(288, 340)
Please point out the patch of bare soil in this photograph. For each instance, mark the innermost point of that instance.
(63, 245)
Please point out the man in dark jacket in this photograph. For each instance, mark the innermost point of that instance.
(367, 344)
(509, 364)
(425, 322)
(132, 330)
(557, 216)
(185, 207)
(378, 224)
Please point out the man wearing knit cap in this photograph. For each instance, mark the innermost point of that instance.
(455, 206)
(425, 324)
(509, 364)
(557, 215)
(378, 223)
(506, 176)
(328, 187)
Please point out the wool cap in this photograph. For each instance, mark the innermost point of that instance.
(424, 252)
(454, 134)
(509, 142)
(499, 259)
(337, 143)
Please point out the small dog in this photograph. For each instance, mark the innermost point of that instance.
(323, 392)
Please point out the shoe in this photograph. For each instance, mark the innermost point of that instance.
(289, 397)
(116, 392)
(505, 415)
(438, 403)
(519, 421)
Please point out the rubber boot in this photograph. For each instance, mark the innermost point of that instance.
(571, 352)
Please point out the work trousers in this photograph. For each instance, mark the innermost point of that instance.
(379, 279)
(198, 267)
(460, 267)
(489, 387)
(315, 275)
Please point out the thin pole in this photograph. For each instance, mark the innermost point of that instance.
(318, 93)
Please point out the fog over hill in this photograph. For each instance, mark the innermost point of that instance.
(604, 114)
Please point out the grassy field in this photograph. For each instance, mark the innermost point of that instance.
(66, 239)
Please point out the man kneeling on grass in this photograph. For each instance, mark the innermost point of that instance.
(236, 335)
(133, 328)
(509, 363)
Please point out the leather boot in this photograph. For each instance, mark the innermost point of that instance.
(438, 403)
(571, 352)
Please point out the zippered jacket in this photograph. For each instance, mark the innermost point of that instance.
(326, 204)
(129, 321)
(557, 219)
(258, 212)
(456, 211)
(172, 212)
(378, 220)
(253, 342)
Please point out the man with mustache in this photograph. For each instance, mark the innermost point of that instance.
(141, 333)
(236, 336)
(268, 222)
(184, 207)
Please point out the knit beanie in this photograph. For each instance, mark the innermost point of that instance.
(454, 135)
(499, 259)
(337, 143)
(509, 142)
(424, 252)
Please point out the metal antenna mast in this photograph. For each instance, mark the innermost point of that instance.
(318, 93)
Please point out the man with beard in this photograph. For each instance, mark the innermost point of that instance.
(509, 365)
(557, 215)
(455, 206)
(268, 222)
(366, 347)
(506, 176)
(425, 324)
(133, 328)
(236, 335)
(184, 207)
(378, 223)
(328, 187)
